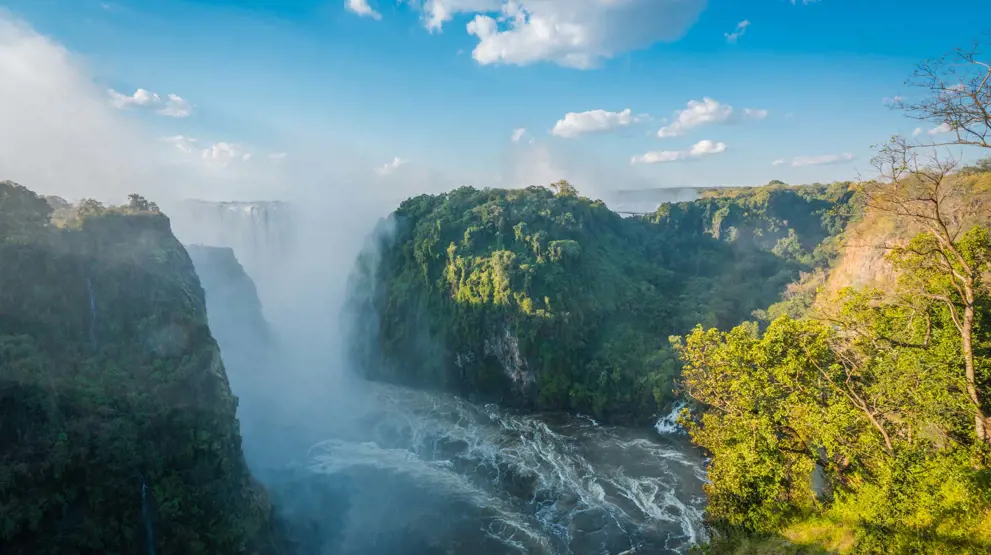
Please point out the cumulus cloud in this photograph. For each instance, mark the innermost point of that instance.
(141, 97)
(741, 28)
(390, 167)
(438, 12)
(706, 112)
(822, 160)
(575, 124)
(361, 8)
(174, 106)
(518, 134)
(698, 150)
(571, 33)
(940, 129)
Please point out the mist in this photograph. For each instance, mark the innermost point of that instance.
(353, 467)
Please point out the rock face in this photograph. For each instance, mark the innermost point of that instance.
(235, 311)
(117, 423)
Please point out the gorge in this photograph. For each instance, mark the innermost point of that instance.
(503, 384)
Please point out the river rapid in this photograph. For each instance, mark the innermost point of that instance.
(417, 473)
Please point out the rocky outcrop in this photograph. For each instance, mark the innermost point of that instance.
(117, 423)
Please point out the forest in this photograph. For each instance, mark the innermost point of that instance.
(116, 417)
(546, 299)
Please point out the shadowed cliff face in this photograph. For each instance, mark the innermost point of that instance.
(235, 311)
(117, 423)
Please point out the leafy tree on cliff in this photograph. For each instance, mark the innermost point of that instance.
(22, 212)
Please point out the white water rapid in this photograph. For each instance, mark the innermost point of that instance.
(493, 482)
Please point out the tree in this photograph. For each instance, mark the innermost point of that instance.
(947, 261)
(22, 212)
(957, 95)
(981, 166)
(564, 189)
(138, 203)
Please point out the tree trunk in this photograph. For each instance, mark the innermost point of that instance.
(981, 423)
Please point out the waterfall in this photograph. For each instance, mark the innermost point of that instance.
(92, 312)
(146, 515)
(669, 424)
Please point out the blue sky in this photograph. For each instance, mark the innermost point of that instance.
(802, 85)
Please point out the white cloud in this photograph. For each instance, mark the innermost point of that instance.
(571, 33)
(706, 147)
(822, 160)
(174, 106)
(518, 134)
(804, 2)
(755, 114)
(892, 99)
(698, 150)
(181, 142)
(140, 98)
(592, 121)
(60, 135)
(741, 29)
(361, 8)
(940, 129)
(222, 153)
(917, 132)
(439, 12)
(390, 167)
(704, 112)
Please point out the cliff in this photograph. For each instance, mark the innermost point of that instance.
(235, 311)
(861, 261)
(554, 302)
(117, 423)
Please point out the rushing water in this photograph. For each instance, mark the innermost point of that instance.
(431, 473)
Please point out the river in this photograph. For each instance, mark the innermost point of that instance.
(429, 473)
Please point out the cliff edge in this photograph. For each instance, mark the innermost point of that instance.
(117, 423)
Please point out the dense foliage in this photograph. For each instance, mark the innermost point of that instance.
(854, 426)
(547, 299)
(117, 424)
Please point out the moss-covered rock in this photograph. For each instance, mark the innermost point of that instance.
(117, 424)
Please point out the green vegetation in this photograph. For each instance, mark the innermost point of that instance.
(861, 425)
(547, 299)
(117, 424)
